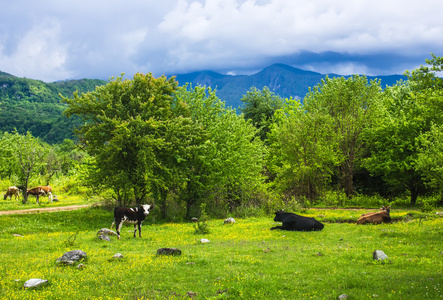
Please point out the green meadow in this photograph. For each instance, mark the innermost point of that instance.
(244, 260)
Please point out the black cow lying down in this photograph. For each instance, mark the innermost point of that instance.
(131, 215)
(295, 222)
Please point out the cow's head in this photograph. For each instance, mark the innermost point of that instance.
(279, 215)
(146, 208)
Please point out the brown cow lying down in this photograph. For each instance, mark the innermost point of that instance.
(382, 216)
(12, 190)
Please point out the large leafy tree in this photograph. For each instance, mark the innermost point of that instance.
(301, 151)
(25, 155)
(430, 158)
(348, 103)
(224, 171)
(259, 107)
(405, 116)
(124, 129)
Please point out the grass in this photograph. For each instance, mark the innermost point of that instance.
(64, 200)
(244, 260)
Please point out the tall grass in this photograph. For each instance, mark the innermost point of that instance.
(244, 260)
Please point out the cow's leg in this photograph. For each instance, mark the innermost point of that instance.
(50, 197)
(277, 227)
(118, 226)
(140, 229)
(135, 229)
(37, 200)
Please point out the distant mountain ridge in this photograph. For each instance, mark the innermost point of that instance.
(283, 80)
(35, 106)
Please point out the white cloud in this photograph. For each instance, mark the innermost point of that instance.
(53, 39)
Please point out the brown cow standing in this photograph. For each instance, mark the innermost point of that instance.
(12, 190)
(37, 192)
(376, 217)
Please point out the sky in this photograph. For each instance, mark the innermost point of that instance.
(52, 40)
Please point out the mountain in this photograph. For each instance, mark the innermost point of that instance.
(283, 80)
(33, 105)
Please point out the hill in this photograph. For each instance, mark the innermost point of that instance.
(283, 80)
(33, 105)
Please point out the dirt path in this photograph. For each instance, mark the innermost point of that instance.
(43, 209)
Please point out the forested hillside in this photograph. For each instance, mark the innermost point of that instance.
(33, 105)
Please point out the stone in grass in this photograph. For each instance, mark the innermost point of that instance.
(35, 282)
(169, 251)
(118, 256)
(343, 296)
(204, 241)
(106, 231)
(229, 221)
(379, 255)
(104, 237)
(71, 257)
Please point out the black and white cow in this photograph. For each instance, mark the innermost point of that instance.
(295, 222)
(135, 216)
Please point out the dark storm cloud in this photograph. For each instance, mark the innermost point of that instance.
(52, 39)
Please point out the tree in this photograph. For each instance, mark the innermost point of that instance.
(348, 102)
(124, 128)
(27, 153)
(301, 151)
(224, 168)
(430, 158)
(260, 106)
(405, 112)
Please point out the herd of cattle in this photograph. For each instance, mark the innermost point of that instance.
(36, 191)
(290, 221)
(137, 215)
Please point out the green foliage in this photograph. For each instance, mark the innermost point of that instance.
(300, 152)
(225, 170)
(125, 123)
(259, 107)
(348, 103)
(403, 122)
(34, 106)
(202, 227)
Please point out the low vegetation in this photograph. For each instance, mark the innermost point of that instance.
(244, 260)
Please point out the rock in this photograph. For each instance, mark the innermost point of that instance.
(118, 256)
(194, 220)
(106, 231)
(72, 256)
(229, 221)
(319, 254)
(104, 237)
(17, 235)
(343, 296)
(379, 255)
(35, 282)
(169, 251)
(80, 266)
(266, 250)
(191, 294)
(204, 241)
(440, 213)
